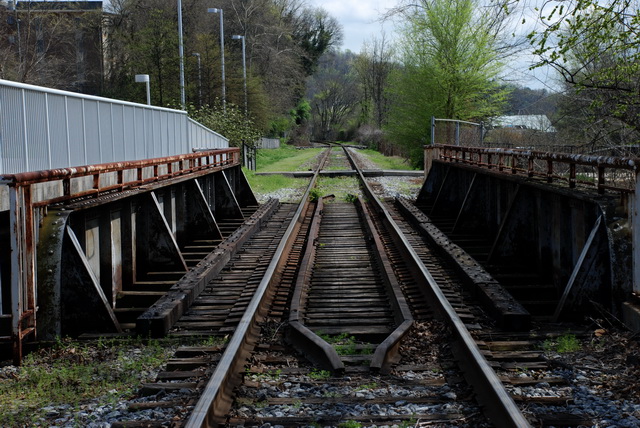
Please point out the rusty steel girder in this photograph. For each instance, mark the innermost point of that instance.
(524, 161)
(30, 196)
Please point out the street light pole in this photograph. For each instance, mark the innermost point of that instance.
(224, 91)
(183, 100)
(144, 78)
(197, 55)
(244, 70)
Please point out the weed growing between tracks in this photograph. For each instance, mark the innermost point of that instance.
(343, 188)
(345, 344)
(72, 373)
(563, 344)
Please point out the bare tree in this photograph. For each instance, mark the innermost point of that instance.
(374, 66)
(334, 94)
(55, 45)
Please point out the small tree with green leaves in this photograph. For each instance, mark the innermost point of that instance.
(232, 124)
(450, 62)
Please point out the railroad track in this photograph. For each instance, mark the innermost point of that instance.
(312, 321)
(368, 349)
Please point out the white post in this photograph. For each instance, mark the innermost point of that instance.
(224, 91)
(144, 78)
(183, 100)
(244, 71)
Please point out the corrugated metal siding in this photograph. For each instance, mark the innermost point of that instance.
(13, 138)
(58, 131)
(41, 128)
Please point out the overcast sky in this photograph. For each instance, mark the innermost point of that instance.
(359, 19)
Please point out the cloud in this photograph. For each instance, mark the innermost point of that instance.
(359, 19)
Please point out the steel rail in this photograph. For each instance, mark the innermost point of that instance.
(313, 346)
(310, 344)
(216, 398)
(490, 392)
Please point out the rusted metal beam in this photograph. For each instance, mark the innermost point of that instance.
(473, 156)
(208, 159)
(30, 194)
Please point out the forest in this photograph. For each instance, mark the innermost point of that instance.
(446, 61)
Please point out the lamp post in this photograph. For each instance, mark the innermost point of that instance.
(244, 70)
(144, 78)
(183, 100)
(197, 55)
(224, 92)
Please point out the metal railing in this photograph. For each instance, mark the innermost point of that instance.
(30, 193)
(600, 172)
(42, 129)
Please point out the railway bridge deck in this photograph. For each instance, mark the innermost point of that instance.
(179, 246)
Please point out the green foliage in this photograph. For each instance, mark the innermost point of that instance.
(563, 344)
(319, 374)
(344, 344)
(409, 423)
(317, 34)
(367, 386)
(449, 70)
(279, 126)
(232, 124)
(350, 198)
(302, 112)
(350, 424)
(214, 341)
(314, 194)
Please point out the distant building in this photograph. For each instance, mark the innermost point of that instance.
(536, 122)
(53, 43)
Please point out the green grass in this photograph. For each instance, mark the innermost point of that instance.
(350, 424)
(343, 188)
(285, 159)
(386, 162)
(73, 373)
(272, 183)
(320, 374)
(344, 344)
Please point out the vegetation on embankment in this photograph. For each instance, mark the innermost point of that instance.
(386, 162)
(287, 158)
